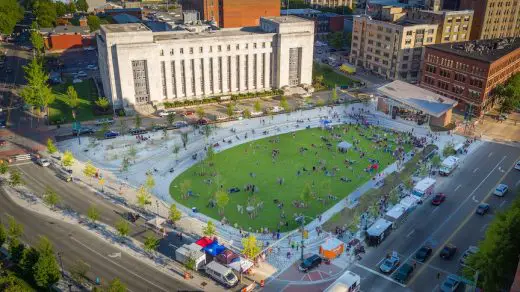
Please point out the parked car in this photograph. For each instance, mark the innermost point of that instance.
(43, 162)
(82, 131)
(471, 250)
(276, 109)
(450, 284)
(438, 199)
(310, 263)
(111, 134)
(3, 123)
(92, 67)
(517, 165)
(256, 114)
(76, 80)
(166, 113)
(81, 74)
(158, 127)
(188, 113)
(137, 131)
(403, 273)
(389, 264)
(482, 209)
(501, 190)
(202, 122)
(179, 124)
(448, 251)
(103, 121)
(3, 143)
(423, 253)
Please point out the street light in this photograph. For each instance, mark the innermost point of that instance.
(301, 220)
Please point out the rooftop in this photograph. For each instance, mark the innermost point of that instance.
(483, 50)
(177, 35)
(127, 27)
(65, 29)
(299, 11)
(448, 12)
(125, 18)
(418, 98)
(286, 19)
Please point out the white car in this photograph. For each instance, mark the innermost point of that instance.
(166, 113)
(76, 80)
(43, 162)
(92, 67)
(276, 109)
(256, 114)
(501, 190)
(81, 74)
(517, 165)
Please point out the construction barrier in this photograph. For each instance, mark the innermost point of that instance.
(22, 157)
(262, 283)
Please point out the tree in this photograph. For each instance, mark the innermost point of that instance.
(170, 118)
(50, 197)
(37, 42)
(79, 271)
(334, 95)
(68, 159)
(190, 262)
(174, 214)
(449, 149)
(251, 247)
(93, 214)
(210, 229)
(116, 286)
(94, 23)
(46, 270)
(125, 164)
(51, 148)
(222, 199)
(436, 161)
(29, 259)
(247, 113)
(200, 112)
(15, 229)
(15, 178)
(82, 5)
(122, 126)
(37, 91)
(230, 110)
(89, 170)
(184, 188)
(149, 184)
(11, 12)
(284, 104)
(61, 8)
(72, 95)
(4, 167)
(138, 121)
(3, 235)
(103, 103)
(497, 258)
(150, 243)
(336, 40)
(15, 249)
(123, 228)
(258, 106)
(45, 13)
(71, 8)
(306, 195)
(132, 152)
(143, 197)
(184, 139)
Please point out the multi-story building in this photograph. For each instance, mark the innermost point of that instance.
(469, 71)
(493, 18)
(325, 22)
(392, 50)
(352, 4)
(138, 66)
(234, 13)
(454, 26)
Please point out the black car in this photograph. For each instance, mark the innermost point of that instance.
(310, 263)
(3, 123)
(138, 131)
(83, 131)
(423, 253)
(448, 251)
(403, 273)
(482, 209)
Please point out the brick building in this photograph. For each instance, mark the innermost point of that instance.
(66, 37)
(324, 22)
(234, 13)
(469, 71)
(493, 18)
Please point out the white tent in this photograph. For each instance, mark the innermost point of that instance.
(243, 264)
(344, 146)
(156, 222)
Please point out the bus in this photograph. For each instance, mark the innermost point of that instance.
(348, 282)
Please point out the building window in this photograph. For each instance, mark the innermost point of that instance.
(191, 50)
(219, 48)
(163, 77)
(201, 68)
(404, 66)
(431, 68)
(476, 82)
(460, 77)
(201, 50)
(228, 48)
(429, 40)
(444, 73)
(295, 55)
(171, 52)
(237, 72)
(246, 71)
(409, 32)
(181, 50)
(247, 46)
(263, 45)
(254, 45)
(140, 74)
(211, 49)
(237, 47)
(219, 74)
(255, 67)
(211, 75)
(183, 77)
(474, 94)
(192, 67)
(173, 79)
(262, 73)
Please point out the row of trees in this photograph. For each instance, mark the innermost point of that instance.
(46, 11)
(509, 94)
(12, 13)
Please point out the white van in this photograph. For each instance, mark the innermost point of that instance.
(448, 165)
(221, 274)
(183, 253)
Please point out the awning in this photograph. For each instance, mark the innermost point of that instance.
(204, 241)
(243, 263)
(214, 249)
(156, 222)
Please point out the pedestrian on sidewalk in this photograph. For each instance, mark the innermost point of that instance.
(297, 246)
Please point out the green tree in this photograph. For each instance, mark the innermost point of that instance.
(190, 262)
(94, 23)
(50, 197)
(138, 121)
(89, 170)
(284, 104)
(210, 229)
(15, 229)
(104, 103)
(37, 91)
(72, 95)
(3, 235)
(61, 8)
(51, 148)
(132, 152)
(174, 214)
(230, 108)
(71, 8)
(449, 149)
(37, 42)
(184, 139)
(336, 40)
(4, 167)
(170, 118)
(29, 259)
(247, 113)
(251, 247)
(15, 178)
(334, 95)
(222, 199)
(93, 214)
(123, 228)
(258, 106)
(306, 195)
(142, 196)
(125, 164)
(184, 188)
(68, 159)
(116, 286)
(45, 13)
(150, 243)
(15, 249)
(200, 112)
(149, 184)
(11, 12)
(79, 271)
(436, 161)
(46, 270)
(82, 5)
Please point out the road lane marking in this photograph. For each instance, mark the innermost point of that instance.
(470, 215)
(475, 170)
(474, 199)
(435, 209)
(490, 154)
(458, 187)
(379, 274)
(517, 184)
(502, 204)
(436, 288)
(120, 266)
(411, 232)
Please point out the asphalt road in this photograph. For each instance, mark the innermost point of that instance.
(453, 221)
(75, 243)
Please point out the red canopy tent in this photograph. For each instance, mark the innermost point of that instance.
(204, 241)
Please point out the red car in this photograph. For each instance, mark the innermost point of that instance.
(438, 199)
(3, 142)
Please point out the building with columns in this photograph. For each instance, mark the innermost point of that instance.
(139, 66)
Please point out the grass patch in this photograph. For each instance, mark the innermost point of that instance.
(330, 77)
(61, 111)
(235, 165)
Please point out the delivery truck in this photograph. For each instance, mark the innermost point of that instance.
(448, 165)
(183, 253)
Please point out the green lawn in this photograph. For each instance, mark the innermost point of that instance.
(330, 77)
(235, 165)
(61, 111)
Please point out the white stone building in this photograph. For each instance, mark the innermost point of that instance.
(139, 66)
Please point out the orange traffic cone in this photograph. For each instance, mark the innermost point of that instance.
(262, 284)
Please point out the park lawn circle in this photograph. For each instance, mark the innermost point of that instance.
(252, 163)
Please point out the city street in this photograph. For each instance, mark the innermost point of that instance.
(454, 221)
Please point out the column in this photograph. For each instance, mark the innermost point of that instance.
(267, 71)
(259, 62)
(206, 73)
(178, 80)
(198, 88)
(241, 72)
(233, 69)
(250, 72)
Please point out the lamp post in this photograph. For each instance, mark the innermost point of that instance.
(301, 218)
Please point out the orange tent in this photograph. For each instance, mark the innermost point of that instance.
(332, 248)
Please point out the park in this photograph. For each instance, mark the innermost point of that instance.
(266, 184)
